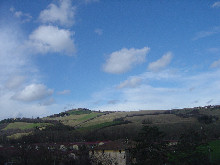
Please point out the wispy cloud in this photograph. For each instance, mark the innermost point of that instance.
(161, 63)
(125, 59)
(213, 50)
(210, 101)
(64, 92)
(15, 81)
(165, 92)
(215, 64)
(98, 31)
(203, 34)
(132, 82)
(216, 4)
(63, 13)
(25, 17)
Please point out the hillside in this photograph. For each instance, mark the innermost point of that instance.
(82, 123)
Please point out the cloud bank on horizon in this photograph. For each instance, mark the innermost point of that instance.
(96, 54)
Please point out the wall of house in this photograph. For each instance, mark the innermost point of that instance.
(108, 157)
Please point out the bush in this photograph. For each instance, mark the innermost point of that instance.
(205, 119)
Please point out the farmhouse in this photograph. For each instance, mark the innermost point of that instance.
(112, 153)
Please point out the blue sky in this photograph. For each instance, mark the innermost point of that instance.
(108, 55)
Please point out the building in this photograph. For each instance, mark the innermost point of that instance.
(111, 153)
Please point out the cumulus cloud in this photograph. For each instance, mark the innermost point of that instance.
(130, 83)
(15, 62)
(33, 92)
(98, 31)
(63, 13)
(125, 59)
(51, 39)
(161, 63)
(215, 64)
(216, 4)
(64, 92)
(12, 108)
(25, 17)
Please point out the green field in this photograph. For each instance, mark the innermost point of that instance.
(215, 148)
(19, 135)
(88, 116)
(101, 125)
(78, 112)
(24, 125)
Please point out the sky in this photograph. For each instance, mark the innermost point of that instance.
(116, 55)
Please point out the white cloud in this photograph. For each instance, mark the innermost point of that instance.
(13, 59)
(125, 59)
(203, 34)
(10, 108)
(63, 13)
(15, 81)
(216, 4)
(165, 92)
(215, 64)
(33, 92)
(98, 31)
(130, 83)
(25, 17)
(161, 63)
(15, 62)
(51, 39)
(64, 92)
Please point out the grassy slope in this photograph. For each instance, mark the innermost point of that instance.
(76, 118)
(92, 120)
(24, 125)
(167, 122)
(215, 147)
(101, 125)
(18, 135)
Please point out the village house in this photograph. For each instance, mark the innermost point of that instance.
(111, 153)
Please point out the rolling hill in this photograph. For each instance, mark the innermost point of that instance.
(115, 125)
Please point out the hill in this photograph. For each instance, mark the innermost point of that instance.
(85, 124)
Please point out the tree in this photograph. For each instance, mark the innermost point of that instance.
(191, 149)
(150, 148)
